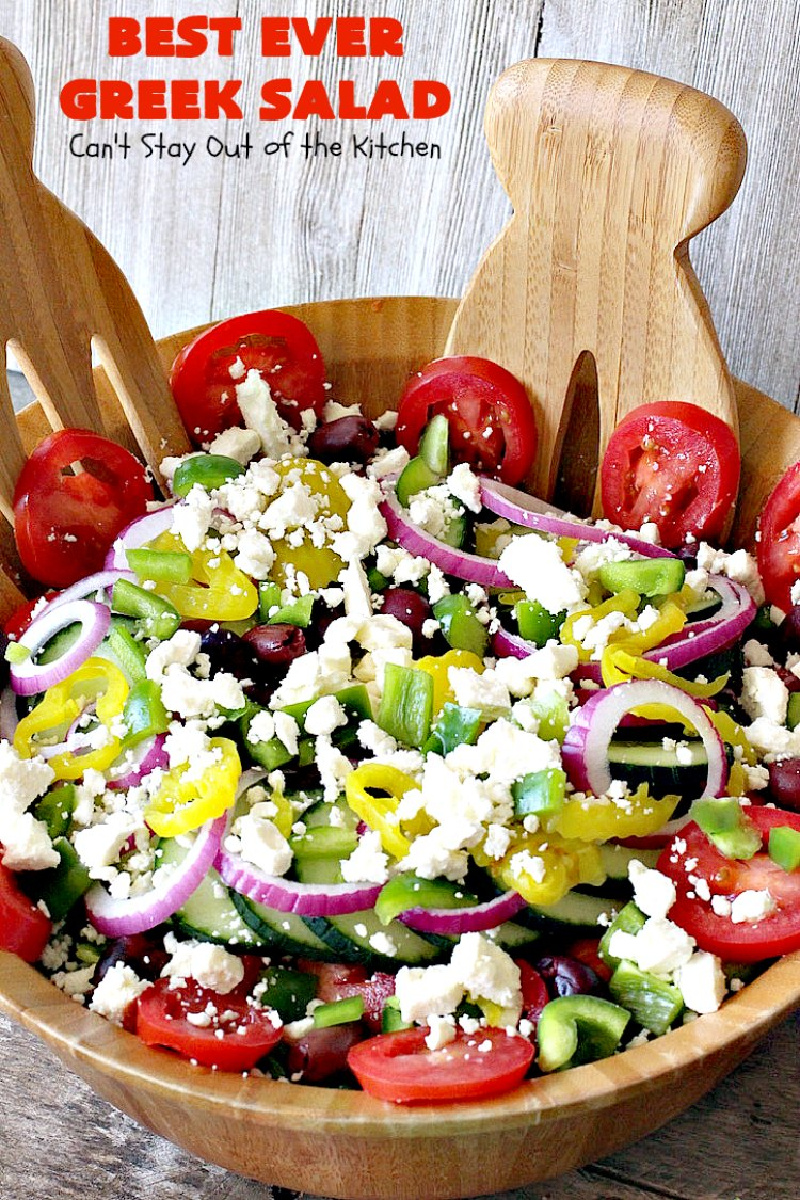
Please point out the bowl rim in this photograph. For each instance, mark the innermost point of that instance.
(84, 1038)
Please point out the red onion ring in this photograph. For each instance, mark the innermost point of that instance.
(455, 921)
(286, 895)
(537, 514)
(118, 918)
(28, 678)
(142, 530)
(152, 756)
(416, 541)
(585, 749)
(90, 584)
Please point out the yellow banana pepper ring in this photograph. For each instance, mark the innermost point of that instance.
(626, 602)
(619, 666)
(671, 619)
(596, 819)
(437, 666)
(219, 591)
(97, 681)
(543, 867)
(380, 811)
(733, 735)
(182, 804)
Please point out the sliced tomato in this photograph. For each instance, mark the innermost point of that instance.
(24, 929)
(490, 417)
(673, 464)
(162, 1019)
(64, 522)
(586, 951)
(775, 934)
(400, 1067)
(21, 617)
(534, 991)
(778, 550)
(280, 347)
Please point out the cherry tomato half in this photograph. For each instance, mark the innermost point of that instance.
(162, 1020)
(280, 347)
(673, 464)
(491, 421)
(400, 1067)
(24, 929)
(65, 523)
(778, 551)
(775, 934)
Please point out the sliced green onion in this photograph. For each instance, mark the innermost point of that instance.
(170, 566)
(340, 1012)
(160, 618)
(406, 704)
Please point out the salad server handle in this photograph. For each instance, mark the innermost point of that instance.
(588, 295)
(61, 297)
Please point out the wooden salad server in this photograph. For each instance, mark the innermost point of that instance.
(62, 296)
(588, 295)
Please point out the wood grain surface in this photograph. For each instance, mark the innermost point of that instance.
(219, 236)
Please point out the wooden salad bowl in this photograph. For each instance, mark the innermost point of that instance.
(592, 126)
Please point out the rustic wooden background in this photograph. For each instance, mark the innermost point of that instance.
(217, 237)
(221, 236)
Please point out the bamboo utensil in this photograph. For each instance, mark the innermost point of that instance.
(345, 1143)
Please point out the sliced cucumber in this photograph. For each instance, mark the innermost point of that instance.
(509, 935)
(615, 859)
(359, 936)
(576, 910)
(639, 762)
(283, 933)
(58, 645)
(209, 914)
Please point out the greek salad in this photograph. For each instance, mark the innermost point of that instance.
(350, 763)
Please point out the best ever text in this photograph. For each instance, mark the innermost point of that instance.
(279, 38)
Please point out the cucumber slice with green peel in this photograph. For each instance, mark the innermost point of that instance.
(646, 576)
(615, 859)
(681, 771)
(574, 911)
(209, 915)
(510, 936)
(415, 477)
(59, 644)
(282, 933)
(361, 936)
(434, 445)
(579, 1029)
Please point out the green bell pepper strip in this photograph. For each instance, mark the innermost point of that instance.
(377, 582)
(456, 726)
(406, 704)
(144, 713)
(56, 808)
(391, 1020)
(578, 1029)
(540, 793)
(793, 710)
(646, 576)
(631, 920)
(270, 598)
(407, 890)
(270, 754)
(784, 847)
(287, 991)
(434, 445)
(61, 887)
(535, 623)
(128, 652)
(653, 1002)
(159, 618)
(169, 565)
(552, 712)
(460, 625)
(272, 610)
(209, 470)
(725, 823)
(340, 1012)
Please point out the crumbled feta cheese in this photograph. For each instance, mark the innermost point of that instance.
(442, 1032)
(388, 462)
(210, 965)
(324, 716)
(764, 694)
(536, 565)
(423, 992)
(486, 971)
(653, 893)
(192, 517)
(368, 863)
(259, 413)
(756, 655)
(466, 487)
(701, 982)
(255, 555)
(486, 692)
(260, 842)
(750, 907)
(238, 444)
(118, 988)
(659, 946)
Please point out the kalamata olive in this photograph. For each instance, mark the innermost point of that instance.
(784, 783)
(276, 645)
(143, 953)
(408, 607)
(689, 556)
(322, 1053)
(789, 629)
(567, 976)
(228, 652)
(347, 439)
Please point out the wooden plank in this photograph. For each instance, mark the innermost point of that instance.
(58, 1139)
(748, 56)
